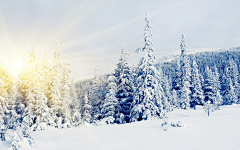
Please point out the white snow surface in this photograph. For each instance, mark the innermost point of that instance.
(220, 131)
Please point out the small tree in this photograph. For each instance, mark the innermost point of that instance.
(110, 105)
(86, 109)
(197, 97)
(17, 137)
(2, 130)
(208, 107)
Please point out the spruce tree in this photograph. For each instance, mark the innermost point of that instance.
(31, 83)
(167, 97)
(218, 101)
(110, 104)
(86, 110)
(65, 93)
(209, 88)
(175, 99)
(197, 97)
(184, 76)
(124, 80)
(95, 97)
(208, 107)
(234, 74)
(147, 103)
(55, 102)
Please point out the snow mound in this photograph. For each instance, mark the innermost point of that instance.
(178, 124)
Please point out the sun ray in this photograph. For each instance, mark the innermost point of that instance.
(73, 23)
(4, 29)
(90, 37)
(29, 42)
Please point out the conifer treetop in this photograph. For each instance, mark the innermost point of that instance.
(147, 37)
(183, 45)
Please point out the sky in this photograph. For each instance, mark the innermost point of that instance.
(91, 33)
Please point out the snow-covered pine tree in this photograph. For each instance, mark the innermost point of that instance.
(184, 76)
(234, 74)
(16, 140)
(74, 106)
(32, 89)
(147, 103)
(229, 95)
(216, 79)
(55, 101)
(208, 107)
(2, 130)
(167, 97)
(65, 93)
(176, 77)
(197, 97)
(26, 129)
(86, 110)
(11, 90)
(4, 84)
(95, 97)
(11, 112)
(209, 88)
(125, 86)
(110, 104)
(175, 99)
(218, 101)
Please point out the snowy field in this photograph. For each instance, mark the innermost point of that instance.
(220, 131)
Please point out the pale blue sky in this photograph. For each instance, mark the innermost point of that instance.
(93, 32)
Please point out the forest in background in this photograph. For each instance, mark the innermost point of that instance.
(44, 95)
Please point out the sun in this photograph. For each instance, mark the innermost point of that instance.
(16, 68)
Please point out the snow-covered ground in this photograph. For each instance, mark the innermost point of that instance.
(219, 131)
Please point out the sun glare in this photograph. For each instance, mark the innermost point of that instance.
(16, 68)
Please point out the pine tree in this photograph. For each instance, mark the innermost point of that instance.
(184, 75)
(110, 104)
(234, 74)
(176, 78)
(197, 97)
(175, 99)
(65, 93)
(2, 130)
(167, 97)
(95, 97)
(74, 106)
(230, 96)
(32, 89)
(26, 129)
(11, 90)
(208, 107)
(218, 100)
(124, 80)
(55, 101)
(147, 103)
(209, 88)
(86, 116)
(16, 140)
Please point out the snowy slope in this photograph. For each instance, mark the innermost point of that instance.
(175, 54)
(220, 131)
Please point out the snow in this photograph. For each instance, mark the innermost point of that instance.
(221, 131)
(167, 57)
